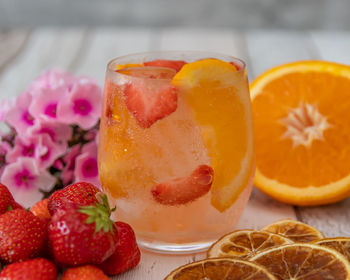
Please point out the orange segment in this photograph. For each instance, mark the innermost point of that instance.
(129, 65)
(302, 131)
(220, 269)
(245, 243)
(302, 261)
(294, 230)
(217, 93)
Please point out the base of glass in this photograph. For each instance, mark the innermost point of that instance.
(175, 248)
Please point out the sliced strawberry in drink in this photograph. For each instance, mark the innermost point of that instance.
(185, 189)
(238, 67)
(173, 64)
(160, 72)
(150, 102)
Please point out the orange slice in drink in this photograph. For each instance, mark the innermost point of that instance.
(218, 96)
(294, 230)
(301, 261)
(245, 243)
(221, 269)
(340, 244)
(130, 65)
(302, 130)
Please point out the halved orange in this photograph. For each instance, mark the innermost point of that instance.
(294, 230)
(302, 132)
(218, 95)
(340, 244)
(302, 261)
(221, 269)
(245, 243)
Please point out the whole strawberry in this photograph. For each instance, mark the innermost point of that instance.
(127, 254)
(85, 272)
(82, 234)
(6, 200)
(81, 193)
(40, 210)
(36, 269)
(22, 236)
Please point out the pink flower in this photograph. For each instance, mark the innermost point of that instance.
(91, 135)
(40, 147)
(82, 106)
(45, 102)
(86, 165)
(4, 149)
(18, 115)
(59, 133)
(52, 79)
(69, 160)
(25, 180)
(5, 106)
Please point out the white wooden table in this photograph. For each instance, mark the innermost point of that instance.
(25, 54)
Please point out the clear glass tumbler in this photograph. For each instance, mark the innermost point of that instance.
(176, 149)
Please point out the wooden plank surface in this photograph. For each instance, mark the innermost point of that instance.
(46, 48)
(333, 220)
(24, 57)
(11, 44)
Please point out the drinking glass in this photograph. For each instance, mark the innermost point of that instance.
(176, 152)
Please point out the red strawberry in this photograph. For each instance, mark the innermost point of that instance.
(127, 254)
(22, 236)
(36, 269)
(86, 272)
(186, 189)
(81, 193)
(40, 210)
(150, 102)
(173, 64)
(6, 200)
(82, 234)
(16, 205)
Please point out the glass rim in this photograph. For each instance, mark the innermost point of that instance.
(206, 54)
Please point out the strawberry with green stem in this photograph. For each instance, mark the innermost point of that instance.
(83, 234)
(80, 193)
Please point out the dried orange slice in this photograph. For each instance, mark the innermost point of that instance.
(218, 95)
(340, 244)
(294, 230)
(302, 261)
(301, 128)
(221, 269)
(245, 243)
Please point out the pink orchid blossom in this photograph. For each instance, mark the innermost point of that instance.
(81, 106)
(59, 133)
(86, 165)
(45, 102)
(4, 149)
(25, 180)
(69, 160)
(52, 79)
(40, 147)
(18, 115)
